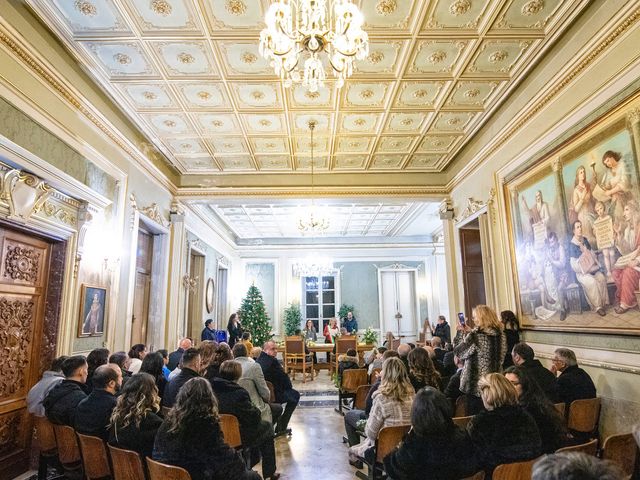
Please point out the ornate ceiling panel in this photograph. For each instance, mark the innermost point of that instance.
(189, 74)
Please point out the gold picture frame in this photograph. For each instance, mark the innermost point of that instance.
(209, 295)
(93, 310)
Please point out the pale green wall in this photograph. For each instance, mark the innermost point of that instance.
(262, 275)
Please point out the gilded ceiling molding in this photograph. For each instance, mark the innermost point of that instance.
(152, 212)
(79, 103)
(191, 193)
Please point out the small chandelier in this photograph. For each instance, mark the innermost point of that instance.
(312, 220)
(306, 28)
(313, 267)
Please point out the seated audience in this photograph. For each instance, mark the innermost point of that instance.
(190, 369)
(96, 357)
(574, 466)
(504, 432)
(255, 352)
(135, 419)
(94, 412)
(234, 400)
(435, 447)
(207, 351)
(136, 354)
(436, 364)
(553, 434)
(347, 361)
(391, 406)
(403, 352)
(449, 366)
(246, 341)
(153, 364)
(61, 401)
(512, 332)
(573, 383)
(174, 357)
(252, 380)
(284, 391)
(50, 378)
(122, 360)
(375, 359)
(165, 360)
(221, 354)
(422, 373)
(452, 390)
(190, 437)
(208, 332)
(523, 357)
(436, 344)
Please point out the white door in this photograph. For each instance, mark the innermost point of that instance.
(398, 302)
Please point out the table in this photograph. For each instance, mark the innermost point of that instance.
(328, 347)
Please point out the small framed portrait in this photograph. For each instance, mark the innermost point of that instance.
(93, 304)
(209, 294)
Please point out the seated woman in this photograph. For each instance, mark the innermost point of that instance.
(135, 420)
(435, 448)
(152, 364)
(374, 360)
(391, 406)
(504, 432)
(553, 433)
(190, 437)
(221, 354)
(422, 372)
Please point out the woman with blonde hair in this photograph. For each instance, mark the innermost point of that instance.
(504, 432)
(391, 406)
(482, 348)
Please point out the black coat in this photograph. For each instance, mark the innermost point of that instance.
(504, 435)
(444, 332)
(543, 377)
(274, 373)
(437, 457)
(139, 439)
(93, 413)
(61, 401)
(174, 386)
(174, 359)
(208, 334)
(574, 384)
(513, 337)
(200, 450)
(452, 390)
(235, 334)
(553, 434)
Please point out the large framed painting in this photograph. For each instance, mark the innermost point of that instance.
(574, 221)
(93, 302)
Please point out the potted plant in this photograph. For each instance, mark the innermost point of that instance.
(292, 319)
(369, 336)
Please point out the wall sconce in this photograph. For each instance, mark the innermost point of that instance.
(190, 283)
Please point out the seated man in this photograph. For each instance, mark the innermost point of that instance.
(94, 412)
(190, 369)
(284, 391)
(452, 390)
(522, 355)
(61, 401)
(436, 344)
(573, 383)
(174, 357)
(49, 379)
(574, 465)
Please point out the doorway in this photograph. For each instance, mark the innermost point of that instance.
(142, 290)
(398, 306)
(195, 301)
(474, 291)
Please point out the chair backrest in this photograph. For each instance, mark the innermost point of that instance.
(514, 471)
(230, 430)
(584, 415)
(127, 464)
(360, 402)
(45, 434)
(590, 448)
(560, 407)
(294, 346)
(477, 476)
(94, 457)
(388, 439)
(352, 378)
(622, 450)
(68, 450)
(160, 471)
(344, 343)
(461, 409)
(272, 392)
(462, 421)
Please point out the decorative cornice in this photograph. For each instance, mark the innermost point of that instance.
(473, 206)
(152, 212)
(195, 193)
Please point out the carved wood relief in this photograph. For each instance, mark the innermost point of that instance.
(10, 432)
(16, 335)
(21, 263)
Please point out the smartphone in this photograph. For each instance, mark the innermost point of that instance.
(461, 318)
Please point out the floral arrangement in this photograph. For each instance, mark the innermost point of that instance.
(369, 336)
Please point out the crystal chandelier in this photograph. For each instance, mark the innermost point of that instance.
(313, 267)
(312, 220)
(306, 28)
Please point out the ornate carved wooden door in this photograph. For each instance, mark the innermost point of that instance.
(24, 270)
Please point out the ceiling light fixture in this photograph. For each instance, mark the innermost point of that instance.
(312, 220)
(313, 266)
(299, 29)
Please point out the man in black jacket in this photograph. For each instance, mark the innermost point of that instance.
(174, 357)
(61, 401)
(573, 383)
(94, 412)
(523, 356)
(208, 333)
(442, 330)
(284, 391)
(234, 400)
(190, 369)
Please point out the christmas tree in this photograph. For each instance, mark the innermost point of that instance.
(254, 318)
(292, 319)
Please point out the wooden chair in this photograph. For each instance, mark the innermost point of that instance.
(47, 441)
(272, 392)
(583, 417)
(230, 430)
(462, 421)
(160, 471)
(622, 450)
(388, 439)
(460, 409)
(590, 448)
(477, 476)
(514, 471)
(127, 464)
(94, 457)
(360, 400)
(295, 357)
(343, 344)
(351, 380)
(372, 377)
(560, 407)
(68, 451)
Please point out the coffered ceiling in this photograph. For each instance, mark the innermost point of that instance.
(189, 74)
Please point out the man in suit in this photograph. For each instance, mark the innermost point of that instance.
(523, 356)
(174, 357)
(94, 412)
(61, 401)
(190, 369)
(573, 383)
(208, 333)
(284, 391)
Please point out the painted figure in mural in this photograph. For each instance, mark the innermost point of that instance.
(608, 253)
(92, 320)
(555, 276)
(616, 182)
(626, 274)
(584, 263)
(581, 207)
(539, 212)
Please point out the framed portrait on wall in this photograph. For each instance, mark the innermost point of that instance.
(93, 303)
(209, 295)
